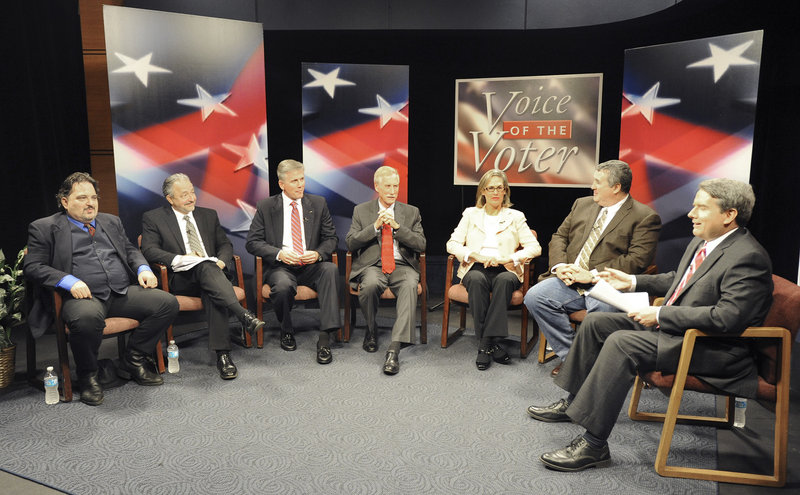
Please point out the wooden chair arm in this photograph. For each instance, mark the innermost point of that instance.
(237, 263)
(162, 275)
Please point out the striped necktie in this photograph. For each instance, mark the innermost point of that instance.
(698, 259)
(591, 242)
(297, 234)
(194, 240)
(89, 228)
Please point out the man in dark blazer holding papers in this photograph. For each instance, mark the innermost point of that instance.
(190, 242)
(723, 285)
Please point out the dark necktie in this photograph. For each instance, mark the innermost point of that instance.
(387, 249)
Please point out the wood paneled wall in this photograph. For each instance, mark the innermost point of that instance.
(97, 100)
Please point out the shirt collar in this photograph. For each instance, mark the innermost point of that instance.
(81, 224)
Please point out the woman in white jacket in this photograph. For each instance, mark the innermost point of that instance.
(486, 243)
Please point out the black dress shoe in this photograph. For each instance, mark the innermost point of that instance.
(227, 370)
(576, 456)
(250, 323)
(554, 413)
(287, 342)
(392, 364)
(484, 359)
(370, 342)
(499, 354)
(135, 365)
(91, 391)
(324, 355)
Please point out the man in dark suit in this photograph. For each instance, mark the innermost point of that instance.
(609, 229)
(87, 256)
(295, 235)
(189, 240)
(723, 285)
(377, 266)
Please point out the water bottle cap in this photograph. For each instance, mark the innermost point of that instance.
(49, 368)
(171, 342)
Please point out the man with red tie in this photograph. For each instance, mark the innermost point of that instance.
(723, 285)
(386, 238)
(293, 232)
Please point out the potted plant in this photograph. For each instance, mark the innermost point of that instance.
(12, 297)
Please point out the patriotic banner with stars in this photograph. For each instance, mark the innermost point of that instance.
(355, 119)
(688, 111)
(187, 95)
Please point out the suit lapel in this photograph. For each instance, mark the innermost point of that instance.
(62, 249)
(172, 225)
(106, 227)
(623, 212)
(711, 259)
(277, 219)
(308, 220)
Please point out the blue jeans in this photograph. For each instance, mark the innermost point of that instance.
(550, 302)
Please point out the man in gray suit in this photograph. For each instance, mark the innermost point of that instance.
(606, 230)
(723, 285)
(386, 238)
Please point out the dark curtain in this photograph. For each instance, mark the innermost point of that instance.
(44, 126)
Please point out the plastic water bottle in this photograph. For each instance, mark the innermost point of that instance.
(50, 386)
(173, 366)
(739, 412)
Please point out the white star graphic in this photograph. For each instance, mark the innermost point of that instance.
(255, 153)
(208, 104)
(327, 81)
(722, 59)
(386, 111)
(648, 102)
(141, 67)
(250, 212)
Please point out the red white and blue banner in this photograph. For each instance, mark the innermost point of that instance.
(540, 130)
(187, 95)
(355, 119)
(688, 111)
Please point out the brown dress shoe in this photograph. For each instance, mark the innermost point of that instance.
(556, 370)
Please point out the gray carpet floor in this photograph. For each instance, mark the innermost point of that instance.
(289, 425)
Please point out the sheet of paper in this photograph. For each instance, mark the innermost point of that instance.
(188, 261)
(626, 301)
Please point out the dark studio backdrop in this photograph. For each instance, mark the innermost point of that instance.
(45, 132)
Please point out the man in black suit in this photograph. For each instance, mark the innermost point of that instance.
(401, 224)
(723, 285)
(87, 256)
(294, 234)
(189, 240)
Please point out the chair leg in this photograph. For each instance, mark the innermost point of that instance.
(348, 312)
(30, 351)
(63, 360)
(526, 345)
(423, 324)
(544, 356)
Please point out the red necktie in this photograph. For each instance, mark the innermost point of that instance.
(89, 228)
(698, 258)
(387, 249)
(297, 235)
